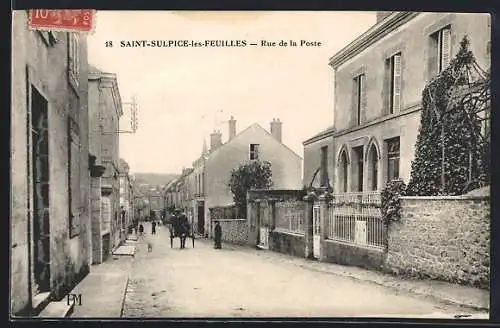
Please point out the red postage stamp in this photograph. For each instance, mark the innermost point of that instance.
(81, 20)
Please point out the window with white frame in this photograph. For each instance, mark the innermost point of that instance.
(395, 83)
(440, 52)
(73, 59)
(254, 151)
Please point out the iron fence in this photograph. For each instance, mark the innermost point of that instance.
(290, 216)
(356, 218)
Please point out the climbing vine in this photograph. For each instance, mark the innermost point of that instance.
(452, 149)
(391, 204)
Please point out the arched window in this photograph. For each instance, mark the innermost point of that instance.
(373, 168)
(343, 171)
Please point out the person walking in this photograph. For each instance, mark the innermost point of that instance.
(217, 235)
(153, 228)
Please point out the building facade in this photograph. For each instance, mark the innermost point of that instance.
(126, 196)
(105, 102)
(50, 178)
(379, 79)
(212, 170)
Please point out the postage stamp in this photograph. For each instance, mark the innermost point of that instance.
(64, 20)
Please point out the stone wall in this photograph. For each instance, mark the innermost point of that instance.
(345, 254)
(225, 213)
(287, 243)
(234, 231)
(445, 238)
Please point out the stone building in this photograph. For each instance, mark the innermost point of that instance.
(213, 169)
(126, 196)
(379, 78)
(106, 106)
(178, 193)
(50, 178)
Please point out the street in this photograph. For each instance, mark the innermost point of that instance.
(242, 282)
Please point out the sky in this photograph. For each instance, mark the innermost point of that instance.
(183, 94)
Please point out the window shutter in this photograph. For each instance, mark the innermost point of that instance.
(362, 96)
(446, 49)
(396, 101)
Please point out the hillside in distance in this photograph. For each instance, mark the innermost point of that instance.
(154, 179)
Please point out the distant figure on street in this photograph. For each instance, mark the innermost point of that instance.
(153, 228)
(217, 235)
(141, 229)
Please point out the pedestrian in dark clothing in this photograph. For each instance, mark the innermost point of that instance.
(217, 235)
(153, 228)
(141, 229)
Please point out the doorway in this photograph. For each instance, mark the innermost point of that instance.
(201, 218)
(38, 167)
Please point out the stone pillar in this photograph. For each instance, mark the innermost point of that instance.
(272, 214)
(252, 223)
(324, 213)
(309, 202)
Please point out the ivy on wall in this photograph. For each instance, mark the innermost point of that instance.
(391, 204)
(452, 149)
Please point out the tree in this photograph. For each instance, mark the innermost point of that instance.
(253, 175)
(452, 149)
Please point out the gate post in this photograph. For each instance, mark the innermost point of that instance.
(308, 228)
(324, 214)
(253, 226)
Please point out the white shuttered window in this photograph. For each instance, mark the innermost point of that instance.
(396, 83)
(444, 49)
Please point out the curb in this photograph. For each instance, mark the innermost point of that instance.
(124, 297)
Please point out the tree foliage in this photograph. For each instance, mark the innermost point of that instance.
(391, 205)
(252, 175)
(452, 150)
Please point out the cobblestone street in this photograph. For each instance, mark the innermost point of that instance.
(237, 281)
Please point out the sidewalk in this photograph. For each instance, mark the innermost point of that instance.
(103, 289)
(467, 297)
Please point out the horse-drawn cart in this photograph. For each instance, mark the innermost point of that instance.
(181, 230)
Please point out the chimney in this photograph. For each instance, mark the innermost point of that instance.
(215, 140)
(276, 129)
(382, 15)
(232, 128)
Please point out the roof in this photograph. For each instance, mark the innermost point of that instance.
(372, 35)
(320, 135)
(248, 128)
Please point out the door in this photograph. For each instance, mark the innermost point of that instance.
(201, 219)
(316, 231)
(39, 189)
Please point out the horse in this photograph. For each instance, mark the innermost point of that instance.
(181, 231)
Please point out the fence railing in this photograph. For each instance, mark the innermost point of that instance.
(290, 216)
(356, 218)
